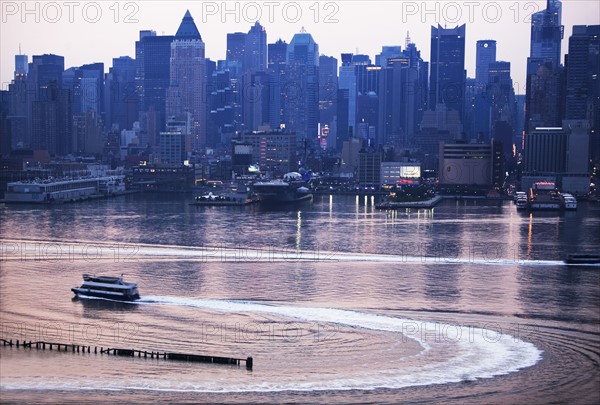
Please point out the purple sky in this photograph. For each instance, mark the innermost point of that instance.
(96, 31)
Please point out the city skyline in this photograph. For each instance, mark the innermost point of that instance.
(21, 31)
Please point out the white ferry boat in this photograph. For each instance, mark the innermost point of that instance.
(53, 190)
(113, 288)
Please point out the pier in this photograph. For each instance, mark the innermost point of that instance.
(74, 348)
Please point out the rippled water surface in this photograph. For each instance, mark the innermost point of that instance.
(335, 301)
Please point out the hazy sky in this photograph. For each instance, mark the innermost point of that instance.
(97, 31)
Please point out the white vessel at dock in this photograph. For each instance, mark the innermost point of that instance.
(66, 189)
(292, 188)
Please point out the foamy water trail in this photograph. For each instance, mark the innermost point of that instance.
(43, 250)
(475, 352)
(461, 354)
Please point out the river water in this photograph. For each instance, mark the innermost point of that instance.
(335, 300)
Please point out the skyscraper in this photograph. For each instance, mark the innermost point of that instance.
(547, 32)
(43, 70)
(402, 90)
(21, 67)
(387, 52)
(486, 54)
(255, 49)
(17, 108)
(153, 65)
(235, 54)
(277, 68)
(51, 114)
(503, 108)
(543, 87)
(347, 83)
(583, 81)
(187, 90)
(447, 82)
(301, 87)
(123, 101)
(328, 85)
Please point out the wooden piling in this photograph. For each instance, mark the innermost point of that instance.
(131, 353)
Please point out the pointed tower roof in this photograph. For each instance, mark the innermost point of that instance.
(188, 29)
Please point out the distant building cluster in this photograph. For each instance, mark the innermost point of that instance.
(275, 107)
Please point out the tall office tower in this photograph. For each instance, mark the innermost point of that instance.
(543, 87)
(43, 70)
(51, 122)
(187, 91)
(92, 88)
(235, 54)
(520, 121)
(543, 92)
(402, 92)
(17, 107)
(583, 76)
(301, 86)
(486, 54)
(547, 32)
(236, 43)
(328, 85)
(347, 83)
(50, 115)
(387, 52)
(86, 84)
(277, 53)
(221, 104)
(276, 65)
(153, 66)
(255, 49)
(21, 67)
(447, 82)
(256, 100)
(503, 107)
(122, 105)
(583, 81)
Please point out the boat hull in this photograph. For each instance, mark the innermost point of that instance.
(582, 259)
(282, 198)
(84, 292)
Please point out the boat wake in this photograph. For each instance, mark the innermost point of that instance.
(475, 353)
(434, 353)
(40, 250)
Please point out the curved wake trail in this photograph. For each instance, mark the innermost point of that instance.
(475, 352)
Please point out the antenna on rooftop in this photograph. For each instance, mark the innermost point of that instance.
(407, 39)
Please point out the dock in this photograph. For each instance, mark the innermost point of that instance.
(75, 348)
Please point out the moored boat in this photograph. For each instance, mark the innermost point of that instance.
(583, 258)
(113, 288)
(292, 188)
